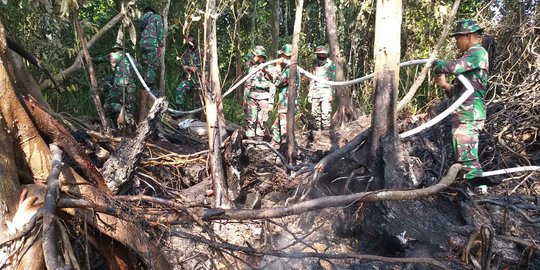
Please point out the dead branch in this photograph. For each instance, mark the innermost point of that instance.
(289, 254)
(50, 232)
(120, 167)
(334, 201)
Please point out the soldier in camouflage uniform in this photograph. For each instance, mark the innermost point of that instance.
(122, 91)
(320, 95)
(259, 95)
(191, 61)
(151, 45)
(281, 75)
(468, 119)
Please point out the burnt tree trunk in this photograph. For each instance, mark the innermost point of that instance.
(345, 111)
(387, 56)
(291, 98)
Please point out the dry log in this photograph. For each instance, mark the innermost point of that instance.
(119, 168)
(56, 133)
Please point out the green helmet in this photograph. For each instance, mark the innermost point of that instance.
(117, 47)
(321, 50)
(467, 26)
(260, 51)
(286, 50)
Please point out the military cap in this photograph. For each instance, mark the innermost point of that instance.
(116, 47)
(467, 26)
(259, 51)
(286, 50)
(321, 50)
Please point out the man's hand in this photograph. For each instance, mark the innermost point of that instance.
(440, 80)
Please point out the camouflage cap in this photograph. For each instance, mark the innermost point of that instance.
(467, 26)
(286, 50)
(321, 50)
(259, 51)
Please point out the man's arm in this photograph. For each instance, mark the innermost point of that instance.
(474, 58)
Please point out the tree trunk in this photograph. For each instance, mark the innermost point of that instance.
(291, 142)
(162, 58)
(214, 111)
(253, 24)
(276, 16)
(345, 110)
(93, 81)
(387, 56)
(239, 64)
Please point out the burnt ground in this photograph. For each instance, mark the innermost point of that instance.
(177, 163)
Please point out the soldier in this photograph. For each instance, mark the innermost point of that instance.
(320, 95)
(259, 95)
(120, 99)
(468, 119)
(151, 45)
(191, 61)
(281, 80)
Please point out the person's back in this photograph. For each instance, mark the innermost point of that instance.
(151, 44)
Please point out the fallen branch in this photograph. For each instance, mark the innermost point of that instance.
(334, 201)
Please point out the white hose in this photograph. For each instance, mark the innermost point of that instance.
(438, 118)
(139, 75)
(511, 170)
(359, 80)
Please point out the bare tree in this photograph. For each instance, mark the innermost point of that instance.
(291, 143)
(214, 109)
(162, 58)
(276, 16)
(345, 111)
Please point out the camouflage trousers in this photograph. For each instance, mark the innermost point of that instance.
(183, 89)
(465, 145)
(114, 103)
(256, 115)
(150, 65)
(279, 128)
(321, 109)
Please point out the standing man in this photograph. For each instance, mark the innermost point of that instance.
(260, 96)
(320, 95)
(191, 61)
(468, 119)
(151, 45)
(120, 98)
(281, 75)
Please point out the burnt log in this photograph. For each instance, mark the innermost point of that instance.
(119, 168)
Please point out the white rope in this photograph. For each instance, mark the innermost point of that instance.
(511, 170)
(438, 118)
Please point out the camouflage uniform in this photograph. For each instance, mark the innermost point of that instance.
(320, 94)
(151, 43)
(191, 58)
(259, 94)
(281, 81)
(468, 120)
(123, 82)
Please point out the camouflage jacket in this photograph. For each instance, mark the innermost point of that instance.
(474, 66)
(327, 72)
(281, 81)
(151, 27)
(123, 73)
(260, 85)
